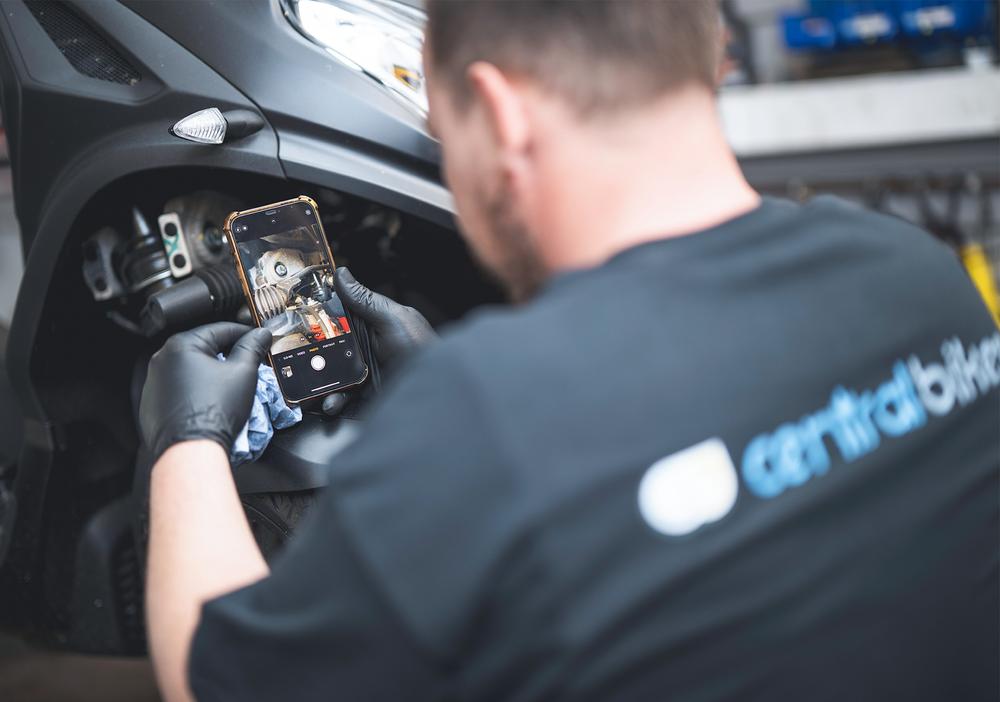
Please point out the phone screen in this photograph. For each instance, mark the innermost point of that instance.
(288, 272)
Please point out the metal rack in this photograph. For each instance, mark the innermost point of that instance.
(847, 129)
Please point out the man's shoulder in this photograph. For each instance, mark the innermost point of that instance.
(482, 328)
(881, 254)
(875, 227)
(497, 339)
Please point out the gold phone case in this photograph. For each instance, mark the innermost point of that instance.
(228, 228)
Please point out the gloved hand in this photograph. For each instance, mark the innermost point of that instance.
(191, 394)
(396, 330)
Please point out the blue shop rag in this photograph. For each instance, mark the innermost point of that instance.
(269, 412)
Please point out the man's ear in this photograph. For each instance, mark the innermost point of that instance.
(503, 105)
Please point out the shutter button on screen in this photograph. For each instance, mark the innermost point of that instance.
(348, 353)
(318, 363)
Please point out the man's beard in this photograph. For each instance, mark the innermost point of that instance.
(516, 264)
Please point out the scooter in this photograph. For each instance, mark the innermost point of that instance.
(134, 128)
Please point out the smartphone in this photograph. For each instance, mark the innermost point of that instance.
(284, 261)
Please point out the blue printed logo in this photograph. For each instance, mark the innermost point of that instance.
(855, 423)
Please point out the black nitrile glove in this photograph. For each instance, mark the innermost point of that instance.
(396, 330)
(191, 394)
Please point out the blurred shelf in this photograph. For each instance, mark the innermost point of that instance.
(847, 113)
(870, 126)
(904, 162)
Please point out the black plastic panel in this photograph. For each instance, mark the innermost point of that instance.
(82, 45)
(337, 127)
(298, 458)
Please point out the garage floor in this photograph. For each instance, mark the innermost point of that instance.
(28, 675)
(32, 676)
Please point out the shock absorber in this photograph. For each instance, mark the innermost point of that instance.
(141, 263)
(210, 293)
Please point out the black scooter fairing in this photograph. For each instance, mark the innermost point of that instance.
(336, 127)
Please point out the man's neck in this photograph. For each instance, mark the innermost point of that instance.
(660, 172)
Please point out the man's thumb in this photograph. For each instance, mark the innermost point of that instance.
(355, 296)
(252, 347)
(334, 403)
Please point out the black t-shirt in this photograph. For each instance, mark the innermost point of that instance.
(759, 462)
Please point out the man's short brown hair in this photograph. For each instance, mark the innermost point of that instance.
(597, 54)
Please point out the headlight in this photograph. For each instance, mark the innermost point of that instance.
(381, 38)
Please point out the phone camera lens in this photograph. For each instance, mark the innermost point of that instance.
(170, 229)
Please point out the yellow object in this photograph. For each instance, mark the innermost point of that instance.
(408, 77)
(978, 267)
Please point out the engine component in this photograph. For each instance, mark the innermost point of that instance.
(277, 274)
(141, 261)
(200, 217)
(174, 244)
(98, 271)
(209, 293)
(293, 294)
(270, 301)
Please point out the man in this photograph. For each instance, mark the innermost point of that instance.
(766, 469)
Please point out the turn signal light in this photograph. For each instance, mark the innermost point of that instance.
(204, 127)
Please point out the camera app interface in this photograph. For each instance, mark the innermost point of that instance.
(292, 287)
(290, 277)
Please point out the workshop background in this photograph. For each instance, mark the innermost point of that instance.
(894, 104)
